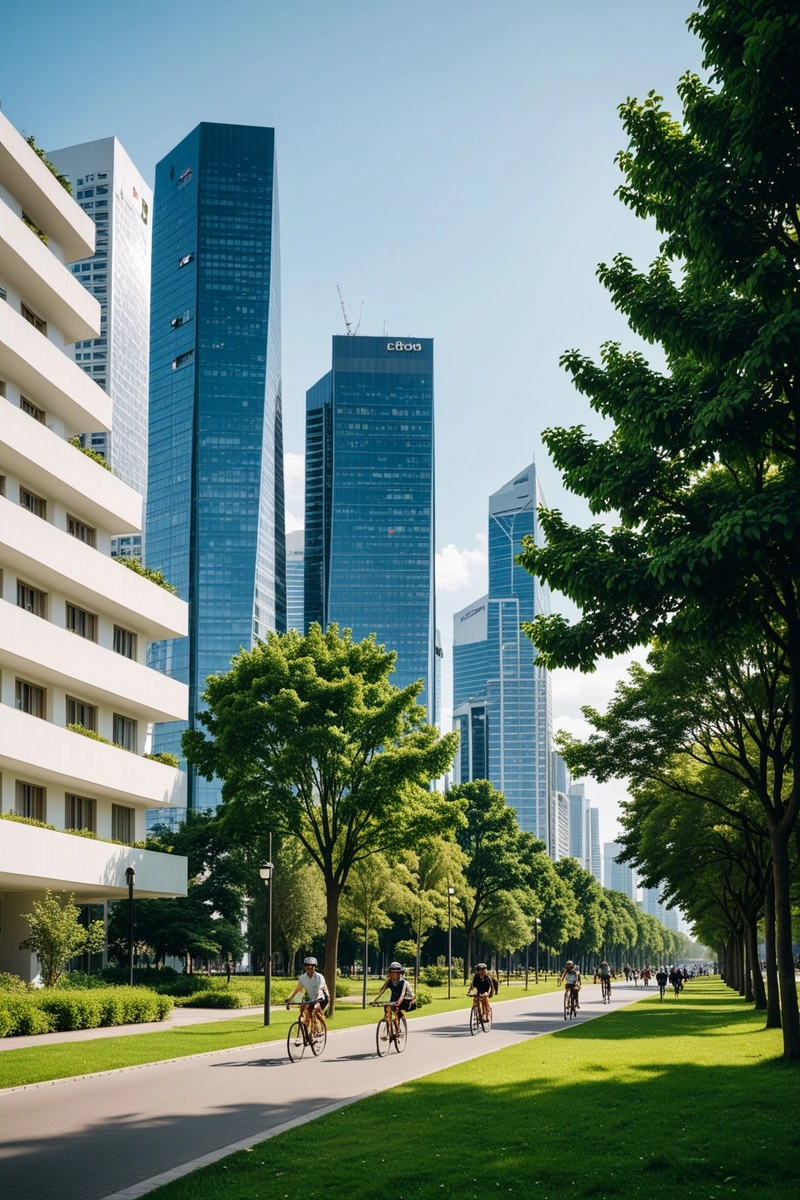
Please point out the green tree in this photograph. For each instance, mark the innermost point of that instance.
(702, 465)
(298, 902)
(311, 739)
(497, 852)
(56, 934)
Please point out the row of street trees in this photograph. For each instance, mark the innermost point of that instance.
(698, 486)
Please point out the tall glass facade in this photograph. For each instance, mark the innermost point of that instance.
(215, 512)
(369, 500)
(500, 696)
(108, 187)
(295, 571)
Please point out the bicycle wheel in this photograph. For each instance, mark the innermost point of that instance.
(487, 1021)
(295, 1041)
(383, 1037)
(400, 1034)
(567, 1004)
(473, 1021)
(318, 1035)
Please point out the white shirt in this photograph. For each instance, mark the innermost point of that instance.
(313, 984)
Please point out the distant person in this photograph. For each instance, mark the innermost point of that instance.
(646, 976)
(627, 971)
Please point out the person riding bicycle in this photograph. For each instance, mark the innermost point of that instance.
(312, 983)
(483, 987)
(662, 978)
(400, 993)
(571, 978)
(603, 973)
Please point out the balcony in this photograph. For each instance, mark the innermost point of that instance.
(46, 285)
(34, 859)
(43, 198)
(48, 465)
(44, 373)
(44, 753)
(54, 561)
(54, 656)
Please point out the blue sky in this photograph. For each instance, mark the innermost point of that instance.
(449, 163)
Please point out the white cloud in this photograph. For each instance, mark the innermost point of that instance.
(293, 522)
(294, 475)
(456, 569)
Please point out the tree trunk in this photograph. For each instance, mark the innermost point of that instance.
(750, 965)
(759, 994)
(773, 997)
(468, 927)
(741, 964)
(790, 1016)
(330, 969)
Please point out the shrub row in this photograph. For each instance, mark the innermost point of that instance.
(56, 1010)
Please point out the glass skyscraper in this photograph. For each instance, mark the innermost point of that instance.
(215, 510)
(369, 533)
(501, 699)
(108, 187)
(295, 571)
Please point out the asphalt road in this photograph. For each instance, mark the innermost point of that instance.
(92, 1138)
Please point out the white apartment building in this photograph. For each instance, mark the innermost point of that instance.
(74, 622)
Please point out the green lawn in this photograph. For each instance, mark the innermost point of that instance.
(59, 1061)
(682, 1098)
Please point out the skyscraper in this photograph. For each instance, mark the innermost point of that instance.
(579, 825)
(617, 876)
(215, 510)
(295, 618)
(108, 187)
(595, 861)
(369, 500)
(501, 700)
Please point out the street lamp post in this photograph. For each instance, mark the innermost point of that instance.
(265, 871)
(451, 891)
(536, 950)
(130, 879)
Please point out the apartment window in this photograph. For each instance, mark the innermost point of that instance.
(31, 801)
(3, 294)
(124, 642)
(38, 414)
(31, 599)
(182, 360)
(30, 698)
(2, 387)
(81, 713)
(79, 813)
(2, 485)
(124, 733)
(81, 622)
(122, 823)
(34, 504)
(32, 319)
(80, 530)
(187, 258)
(176, 322)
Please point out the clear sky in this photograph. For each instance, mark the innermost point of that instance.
(447, 162)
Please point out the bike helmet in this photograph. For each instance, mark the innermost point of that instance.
(570, 963)
(309, 962)
(395, 966)
(481, 967)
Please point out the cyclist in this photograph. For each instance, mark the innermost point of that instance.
(646, 975)
(482, 987)
(401, 996)
(603, 973)
(662, 979)
(571, 978)
(312, 983)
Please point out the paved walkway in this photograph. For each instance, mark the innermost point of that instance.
(177, 1019)
(120, 1134)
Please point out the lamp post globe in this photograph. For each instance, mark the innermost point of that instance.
(265, 871)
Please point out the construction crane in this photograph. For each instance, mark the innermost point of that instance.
(347, 322)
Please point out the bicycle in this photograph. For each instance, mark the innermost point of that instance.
(309, 1030)
(390, 1030)
(478, 1019)
(605, 986)
(570, 1003)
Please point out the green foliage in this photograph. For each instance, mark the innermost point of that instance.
(215, 999)
(62, 179)
(56, 934)
(25, 821)
(92, 454)
(423, 997)
(76, 727)
(62, 1009)
(35, 229)
(433, 976)
(13, 983)
(313, 742)
(135, 565)
(164, 756)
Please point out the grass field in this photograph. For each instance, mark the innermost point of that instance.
(38, 1063)
(683, 1098)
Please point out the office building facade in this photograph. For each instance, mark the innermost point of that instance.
(215, 507)
(369, 535)
(501, 700)
(295, 584)
(76, 695)
(579, 825)
(617, 876)
(595, 859)
(108, 187)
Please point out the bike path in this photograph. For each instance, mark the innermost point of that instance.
(122, 1133)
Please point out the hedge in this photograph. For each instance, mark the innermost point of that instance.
(56, 1010)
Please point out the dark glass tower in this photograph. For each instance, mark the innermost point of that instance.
(369, 500)
(215, 511)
